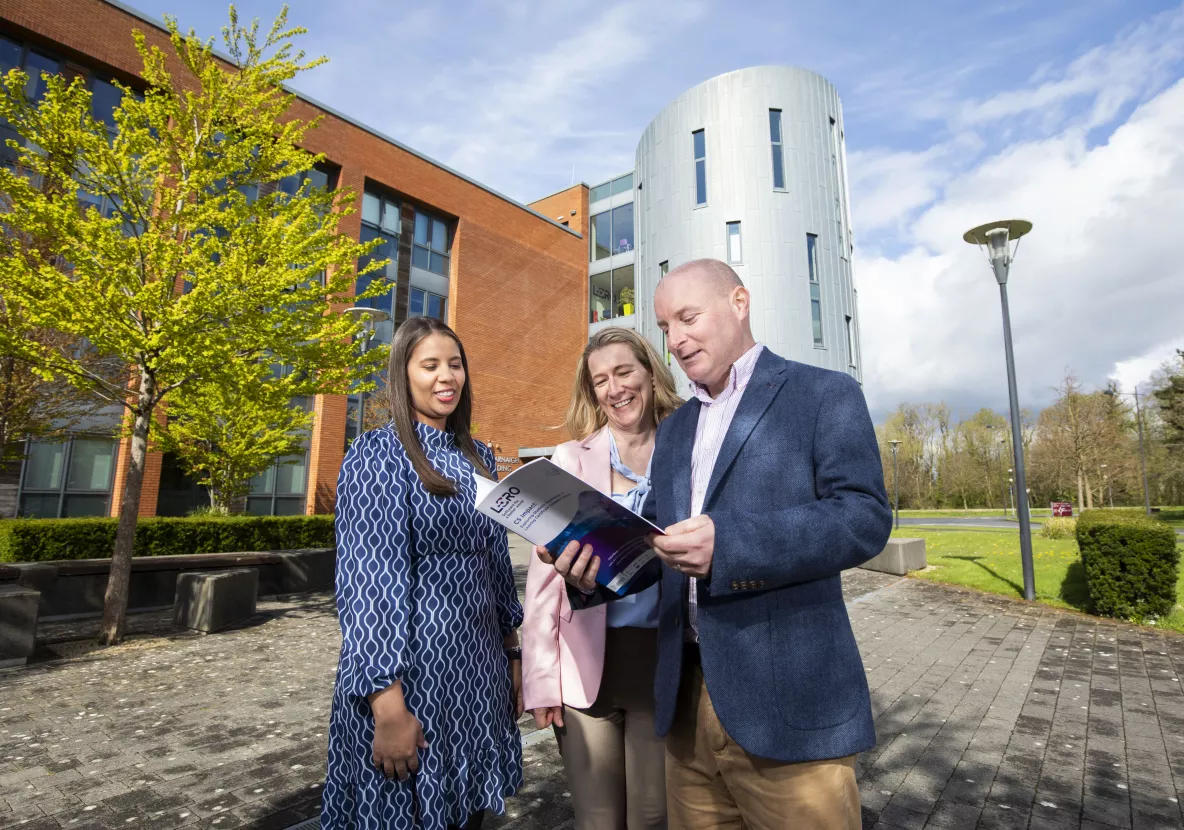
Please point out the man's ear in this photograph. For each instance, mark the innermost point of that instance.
(741, 300)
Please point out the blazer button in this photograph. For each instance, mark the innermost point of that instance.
(735, 586)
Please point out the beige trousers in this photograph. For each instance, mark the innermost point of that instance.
(615, 764)
(712, 783)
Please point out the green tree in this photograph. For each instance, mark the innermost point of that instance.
(226, 432)
(163, 249)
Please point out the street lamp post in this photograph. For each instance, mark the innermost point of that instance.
(370, 318)
(996, 238)
(895, 485)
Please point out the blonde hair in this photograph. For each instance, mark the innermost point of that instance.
(584, 415)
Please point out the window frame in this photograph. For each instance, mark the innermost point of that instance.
(815, 291)
(430, 248)
(63, 491)
(700, 198)
(738, 259)
(385, 199)
(426, 294)
(778, 150)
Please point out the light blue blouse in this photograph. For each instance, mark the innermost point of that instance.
(641, 609)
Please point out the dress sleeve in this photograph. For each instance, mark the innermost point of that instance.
(505, 590)
(373, 565)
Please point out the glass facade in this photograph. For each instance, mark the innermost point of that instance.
(600, 236)
(735, 254)
(611, 294)
(67, 478)
(611, 232)
(815, 288)
(621, 184)
(280, 490)
(12, 56)
(426, 304)
(700, 148)
(778, 155)
(433, 244)
(380, 220)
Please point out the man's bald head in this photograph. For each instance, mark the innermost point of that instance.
(719, 275)
(703, 308)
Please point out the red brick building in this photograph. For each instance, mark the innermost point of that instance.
(510, 279)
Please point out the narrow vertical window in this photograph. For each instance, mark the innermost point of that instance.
(850, 341)
(663, 268)
(815, 288)
(700, 167)
(778, 156)
(734, 252)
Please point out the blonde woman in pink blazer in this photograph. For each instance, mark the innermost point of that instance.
(590, 674)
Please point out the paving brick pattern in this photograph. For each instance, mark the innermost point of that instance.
(990, 713)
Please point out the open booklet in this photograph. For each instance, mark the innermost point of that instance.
(550, 507)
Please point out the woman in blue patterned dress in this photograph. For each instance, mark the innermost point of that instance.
(423, 732)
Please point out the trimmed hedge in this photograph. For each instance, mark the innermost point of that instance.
(1131, 563)
(48, 540)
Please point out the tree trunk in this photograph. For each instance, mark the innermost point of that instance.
(1089, 494)
(115, 600)
(1080, 493)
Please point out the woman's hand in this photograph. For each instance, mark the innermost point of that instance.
(398, 736)
(546, 716)
(516, 685)
(576, 565)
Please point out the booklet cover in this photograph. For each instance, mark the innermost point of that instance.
(549, 507)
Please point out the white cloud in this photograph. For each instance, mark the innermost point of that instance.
(1099, 281)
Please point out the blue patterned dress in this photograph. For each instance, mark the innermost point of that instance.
(425, 593)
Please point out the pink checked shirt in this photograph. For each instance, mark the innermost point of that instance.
(715, 416)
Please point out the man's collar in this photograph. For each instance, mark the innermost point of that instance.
(738, 375)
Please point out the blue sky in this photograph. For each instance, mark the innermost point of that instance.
(1064, 113)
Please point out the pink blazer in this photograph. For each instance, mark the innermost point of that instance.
(562, 650)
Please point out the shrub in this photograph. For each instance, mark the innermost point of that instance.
(1130, 563)
(47, 540)
(1059, 528)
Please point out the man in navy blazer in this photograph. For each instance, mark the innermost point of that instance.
(770, 485)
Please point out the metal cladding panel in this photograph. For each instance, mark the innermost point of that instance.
(733, 111)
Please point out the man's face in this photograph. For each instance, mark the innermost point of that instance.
(704, 324)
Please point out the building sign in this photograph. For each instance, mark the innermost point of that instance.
(506, 463)
(1062, 509)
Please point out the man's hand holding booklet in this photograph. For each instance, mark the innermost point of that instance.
(551, 508)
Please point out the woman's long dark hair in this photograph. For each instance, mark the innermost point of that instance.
(409, 335)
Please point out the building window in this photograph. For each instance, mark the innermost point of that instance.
(840, 185)
(426, 304)
(280, 490)
(700, 141)
(622, 185)
(601, 191)
(850, 341)
(611, 294)
(380, 220)
(67, 479)
(735, 256)
(611, 232)
(13, 56)
(663, 268)
(601, 234)
(815, 288)
(623, 228)
(778, 155)
(433, 244)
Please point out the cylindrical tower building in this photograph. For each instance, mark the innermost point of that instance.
(750, 168)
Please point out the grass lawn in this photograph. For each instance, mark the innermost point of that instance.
(989, 560)
(1042, 512)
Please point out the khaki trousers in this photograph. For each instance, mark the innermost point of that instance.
(615, 764)
(712, 783)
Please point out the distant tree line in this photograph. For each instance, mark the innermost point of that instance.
(1084, 448)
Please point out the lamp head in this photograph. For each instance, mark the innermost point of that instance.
(996, 238)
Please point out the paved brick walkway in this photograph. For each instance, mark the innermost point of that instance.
(990, 713)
